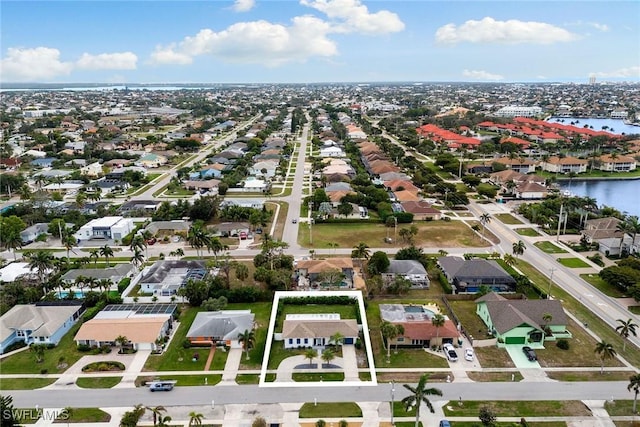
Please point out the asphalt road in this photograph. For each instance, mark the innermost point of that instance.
(253, 394)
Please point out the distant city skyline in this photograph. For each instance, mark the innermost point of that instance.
(309, 41)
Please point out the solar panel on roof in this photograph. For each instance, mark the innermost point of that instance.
(143, 308)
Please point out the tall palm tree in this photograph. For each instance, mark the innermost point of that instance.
(12, 242)
(390, 331)
(336, 339)
(328, 355)
(69, 241)
(247, 339)
(157, 412)
(605, 351)
(634, 384)
(509, 259)
(138, 258)
(419, 396)
(42, 262)
(215, 245)
(94, 254)
(625, 329)
(106, 252)
(195, 418)
(105, 285)
(518, 248)
(361, 252)
(310, 354)
(438, 321)
(485, 219)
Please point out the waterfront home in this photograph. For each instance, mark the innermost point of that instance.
(566, 164)
(616, 163)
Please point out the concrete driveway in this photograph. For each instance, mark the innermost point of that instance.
(519, 359)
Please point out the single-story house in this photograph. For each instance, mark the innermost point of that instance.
(213, 327)
(168, 227)
(421, 210)
(12, 271)
(144, 326)
(601, 228)
(39, 323)
(411, 270)
(310, 271)
(30, 234)
(316, 330)
(419, 330)
(166, 277)
(523, 321)
(114, 274)
(467, 276)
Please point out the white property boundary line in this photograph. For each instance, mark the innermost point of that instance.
(357, 295)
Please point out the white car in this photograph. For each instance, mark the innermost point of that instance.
(450, 352)
(468, 354)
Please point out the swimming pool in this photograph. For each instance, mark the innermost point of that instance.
(419, 309)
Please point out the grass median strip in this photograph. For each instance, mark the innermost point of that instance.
(97, 382)
(549, 248)
(26, 383)
(330, 409)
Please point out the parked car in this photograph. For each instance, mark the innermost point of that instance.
(243, 235)
(528, 351)
(258, 230)
(152, 241)
(161, 386)
(294, 220)
(450, 352)
(468, 354)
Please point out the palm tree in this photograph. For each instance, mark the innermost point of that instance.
(156, 411)
(163, 421)
(94, 254)
(13, 241)
(138, 258)
(38, 350)
(247, 339)
(361, 252)
(195, 418)
(485, 219)
(242, 271)
(518, 248)
(328, 355)
(197, 238)
(121, 340)
(104, 285)
(419, 395)
(389, 332)
(438, 321)
(69, 241)
(634, 384)
(106, 252)
(333, 245)
(310, 354)
(626, 328)
(41, 261)
(606, 351)
(336, 339)
(509, 259)
(442, 252)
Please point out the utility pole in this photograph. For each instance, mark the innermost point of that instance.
(310, 224)
(393, 389)
(552, 269)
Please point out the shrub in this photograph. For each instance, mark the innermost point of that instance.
(84, 348)
(186, 343)
(562, 344)
(44, 371)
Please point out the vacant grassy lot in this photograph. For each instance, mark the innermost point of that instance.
(573, 263)
(431, 234)
(493, 357)
(584, 315)
(525, 408)
(549, 248)
(97, 382)
(26, 383)
(330, 409)
(589, 375)
(471, 322)
(508, 219)
(529, 232)
(604, 287)
(25, 361)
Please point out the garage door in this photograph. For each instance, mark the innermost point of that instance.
(348, 340)
(514, 340)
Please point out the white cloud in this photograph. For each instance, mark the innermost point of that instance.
(108, 61)
(600, 27)
(513, 31)
(256, 42)
(481, 75)
(633, 72)
(243, 5)
(353, 16)
(36, 64)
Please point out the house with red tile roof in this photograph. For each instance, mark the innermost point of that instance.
(419, 330)
(421, 210)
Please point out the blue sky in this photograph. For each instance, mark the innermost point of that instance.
(300, 41)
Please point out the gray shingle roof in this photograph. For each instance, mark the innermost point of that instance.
(508, 314)
(408, 266)
(223, 325)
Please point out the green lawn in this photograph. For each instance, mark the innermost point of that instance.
(620, 407)
(471, 322)
(508, 219)
(182, 380)
(345, 311)
(56, 360)
(604, 287)
(400, 411)
(25, 383)
(84, 415)
(432, 234)
(495, 376)
(97, 382)
(247, 378)
(635, 309)
(508, 424)
(573, 263)
(493, 357)
(279, 353)
(317, 377)
(589, 375)
(549, 248)
(330, 410)
(524, 408)
(529, 232)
